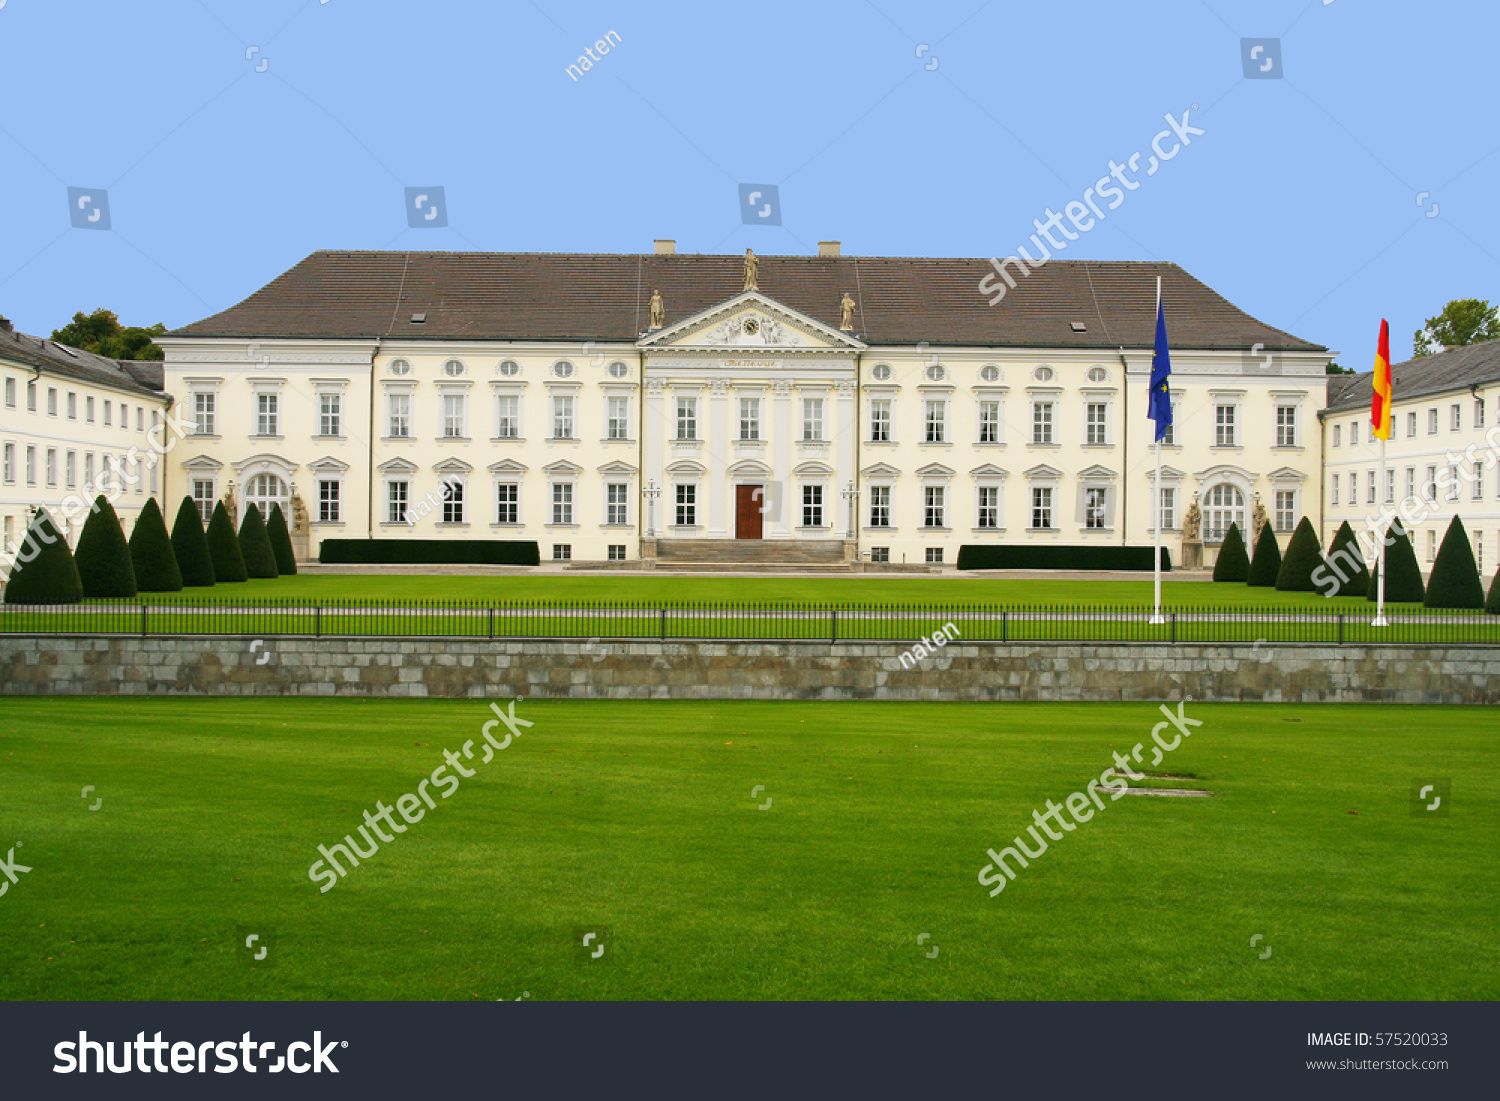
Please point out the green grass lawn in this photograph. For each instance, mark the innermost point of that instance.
(638, 818)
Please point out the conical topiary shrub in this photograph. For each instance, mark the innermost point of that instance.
(1232, 563)
(190, 546)
(44, 571)
(1403, 583)
(1303, 556)
(103, 556)
(1267, 561)
(151, 553)
(1492, 605)
(281, 541)
(255, 545)
(1346, 559)
(1455, 578)
(224, 546)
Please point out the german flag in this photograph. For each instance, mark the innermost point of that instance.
(1380, 403)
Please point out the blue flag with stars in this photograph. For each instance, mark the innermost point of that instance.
(1160, 407)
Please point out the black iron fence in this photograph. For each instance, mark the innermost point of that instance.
(601, 621)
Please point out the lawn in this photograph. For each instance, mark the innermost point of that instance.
(638, 819)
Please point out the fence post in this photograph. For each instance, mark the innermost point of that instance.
(833, 626)
(1174, 626)
(663, 627)
(1341, 628)
(318, 621)
(492, 624)
(1005, 625)
(143, 619)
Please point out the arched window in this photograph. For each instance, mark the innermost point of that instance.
(264, 491)
(1225, 506)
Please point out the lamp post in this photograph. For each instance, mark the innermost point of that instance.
(851, 495)
(652, 493)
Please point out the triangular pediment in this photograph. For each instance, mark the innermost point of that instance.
(1286, 474)
(751, 321)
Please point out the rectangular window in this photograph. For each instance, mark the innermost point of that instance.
(507, 503)
(880, 554)
(1094, 514)
(330, 409)
(1432, 422)
(203, 495)
(619, 419)
(1354, 433)
(1411, 482)
(1353, 488)
(1286, 426)
(687, 506)
(109, 412)
(508, 417)
(749, 418)
(1097, 422)
(937, 417)
(1333, 498)
(397, 498)
(328, 502)
(562, 418)
(31, 396)
(453, 502)
(1476, 491)
(1390, 487)
(1478, 412)
(880, 506)
(140, 419)
(1224, 426)
(1411, 423)
(52, 466)
(203, 413)
(30, 465)
(52, 402)
(1041, 422)
(267, 420)
(88, 409)
(1455, 417)
(616, 552)
(10, 464)
(1369, 487)
(687, 418)
(934, 556)
(989, 422)
(562, 552)
(989, 506)
(1429, 487)
(1168, 508)
(453, 417)
(1286, 509)
(1338, 435)
(1452, 483)
(72, 406)
(932, 506)
(10, 391)
(1041, 507)
(398, 416)
(1169, 437)
(812, 506)
(562, 502)
(1431, 545)
(812, 418)
(880, 421)
(88, 471)
(616, 503)
(70, 469)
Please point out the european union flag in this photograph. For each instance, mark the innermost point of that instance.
(1160, 407)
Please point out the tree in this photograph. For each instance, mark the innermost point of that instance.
(281, 541)
(1266, 564)
(103, 557)
(101, 333)
(1455, 582)
(1403, 582)
(1463, 321)
(151, 553)
(1335, 369)
(1492, 605)
(255, 545)
(224, 547)
(190, 546)
(1346, 561)
(1303, 555)
(1232, 563)
(44, 570)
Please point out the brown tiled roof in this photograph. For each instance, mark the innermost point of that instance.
(560, 296)
(35, 351)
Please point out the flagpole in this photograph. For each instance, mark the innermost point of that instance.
(1384, 389)
(1156, 616)
(1380, 620)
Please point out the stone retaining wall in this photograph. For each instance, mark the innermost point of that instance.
(455, 668)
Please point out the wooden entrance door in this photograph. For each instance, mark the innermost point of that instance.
(747, 511)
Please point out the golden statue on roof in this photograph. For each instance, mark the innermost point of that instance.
(751, 265)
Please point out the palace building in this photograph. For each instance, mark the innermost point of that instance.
(725, 408)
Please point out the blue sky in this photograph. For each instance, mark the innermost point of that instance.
(234, 137)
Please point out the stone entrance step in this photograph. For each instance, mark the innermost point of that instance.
(784, 552)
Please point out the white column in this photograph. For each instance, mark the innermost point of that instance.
(781, 463)
(718, 447)
(655, 443)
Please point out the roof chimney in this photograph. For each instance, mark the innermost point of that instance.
(6, 326)
(828, 248)
(666, 248)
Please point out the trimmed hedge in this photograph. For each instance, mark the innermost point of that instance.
(1403, 583)
(151, 553)
(49, 575)
(1303, 556)
(1232, 564)
(190, 547)
(103, 556)
(224, 547)
(1492, 605)
(255, 545)
(1347, 558)
(434, 552)
(1266, 564)
(1455, 578)
(281, 541)
(1022, 557)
